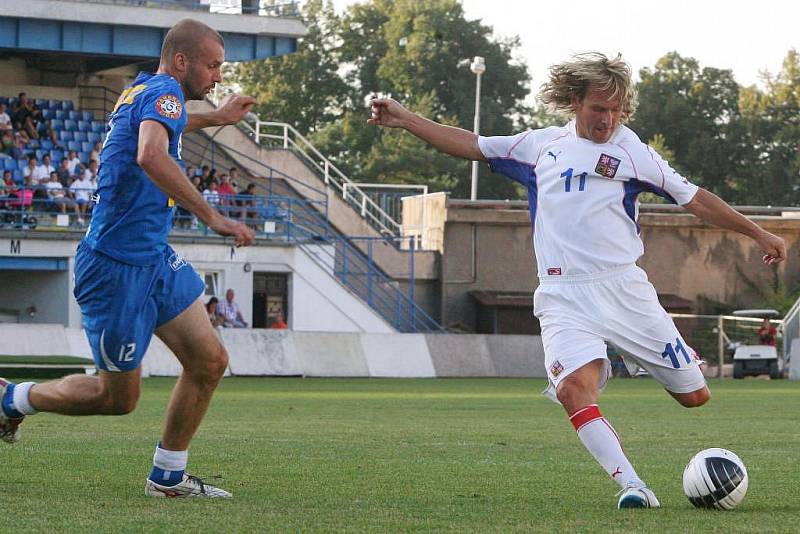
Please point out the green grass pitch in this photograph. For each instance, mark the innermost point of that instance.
(371, 455)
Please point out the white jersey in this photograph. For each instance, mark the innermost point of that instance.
(582, 195)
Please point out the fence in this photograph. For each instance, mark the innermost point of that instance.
(715, 337)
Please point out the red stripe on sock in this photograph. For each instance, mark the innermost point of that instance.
(585, 415)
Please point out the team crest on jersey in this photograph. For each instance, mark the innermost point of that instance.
(169, 106)
(607, 166)
(556, 369)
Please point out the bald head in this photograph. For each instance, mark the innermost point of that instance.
(185, 37)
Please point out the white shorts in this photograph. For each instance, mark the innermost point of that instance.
(580, 313)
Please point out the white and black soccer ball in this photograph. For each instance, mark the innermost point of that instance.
(715, 478)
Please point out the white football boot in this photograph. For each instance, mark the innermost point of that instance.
(637, 496)
(190, 486)
(9, 426)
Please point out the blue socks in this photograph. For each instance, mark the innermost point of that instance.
(7, 404)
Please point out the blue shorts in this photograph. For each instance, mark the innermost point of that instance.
(123, 304)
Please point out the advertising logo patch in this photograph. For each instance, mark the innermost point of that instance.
(556, 369)
(607, 166)
(554, 271)
(176, 261)
(169, 106)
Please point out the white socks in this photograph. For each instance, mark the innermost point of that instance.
(20, 398)
(600, 439)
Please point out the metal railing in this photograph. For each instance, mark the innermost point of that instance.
(289, 138)
(791, 329)
(97, 99)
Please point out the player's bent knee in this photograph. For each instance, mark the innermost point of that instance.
(121, 404)
(694, 399)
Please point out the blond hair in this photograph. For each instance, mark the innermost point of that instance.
(593, 70)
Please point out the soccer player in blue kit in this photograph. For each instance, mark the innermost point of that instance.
(129, 282)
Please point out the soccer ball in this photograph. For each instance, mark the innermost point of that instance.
(715, 478)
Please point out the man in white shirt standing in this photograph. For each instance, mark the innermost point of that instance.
(583, 180)
(5, 119)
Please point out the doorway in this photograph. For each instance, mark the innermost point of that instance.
(270, 298)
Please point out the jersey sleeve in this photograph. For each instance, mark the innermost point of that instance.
(163, 104)
(510, 155)
(663, 179)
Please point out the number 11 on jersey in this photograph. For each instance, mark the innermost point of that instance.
(567, 175)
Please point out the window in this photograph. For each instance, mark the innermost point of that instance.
(212, 280)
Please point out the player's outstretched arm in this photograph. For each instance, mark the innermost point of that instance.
(153, 157)
(710, 208)
(454, 141)
(232, 110)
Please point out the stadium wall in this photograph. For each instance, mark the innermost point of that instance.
(319, 354)
(317, 301)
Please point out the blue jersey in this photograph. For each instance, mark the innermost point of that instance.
(132, 216)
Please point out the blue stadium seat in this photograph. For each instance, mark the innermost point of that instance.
(84, 157)
(34, 143)
(61, 114)
(46, 144)
(87, 146)
(88, 116)
(39, 153)
(57, 124)
(41, 102)
(56, 156)
(75, 115)
(67, 105)
(70, 125)
(93, 137)
(84, 126)
(98, 126)
(79, 136)
(9, 164)
(17, 176)
(74, 145)
(4, 100)
(12, 101)
(48, 114)
(54, 104)
(65, 135)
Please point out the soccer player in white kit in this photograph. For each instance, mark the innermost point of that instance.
(583, 180)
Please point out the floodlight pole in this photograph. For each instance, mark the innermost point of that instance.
(478, 67)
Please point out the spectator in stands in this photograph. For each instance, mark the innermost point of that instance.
(24, 116)
(95, 153)
(57, 197)
(24, 194)
(7, 144)
(74, 161)
(247, 203)
(190, 173)
(767, 333)
(5, 119)
(211, 195)
(82, 189)
(20, 146)
(230, 313)
(197, 184)
(30, 169)
(227, 194)
(204, 176)
(234, 176)
(279, 323)
(64, 176)
(91, 171)
(43, 171)
(46, 129)
(8, 188)
(211, 310)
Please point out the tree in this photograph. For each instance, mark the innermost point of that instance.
(303, 88)
(696, 111)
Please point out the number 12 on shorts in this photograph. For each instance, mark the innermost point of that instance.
(673, 352)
